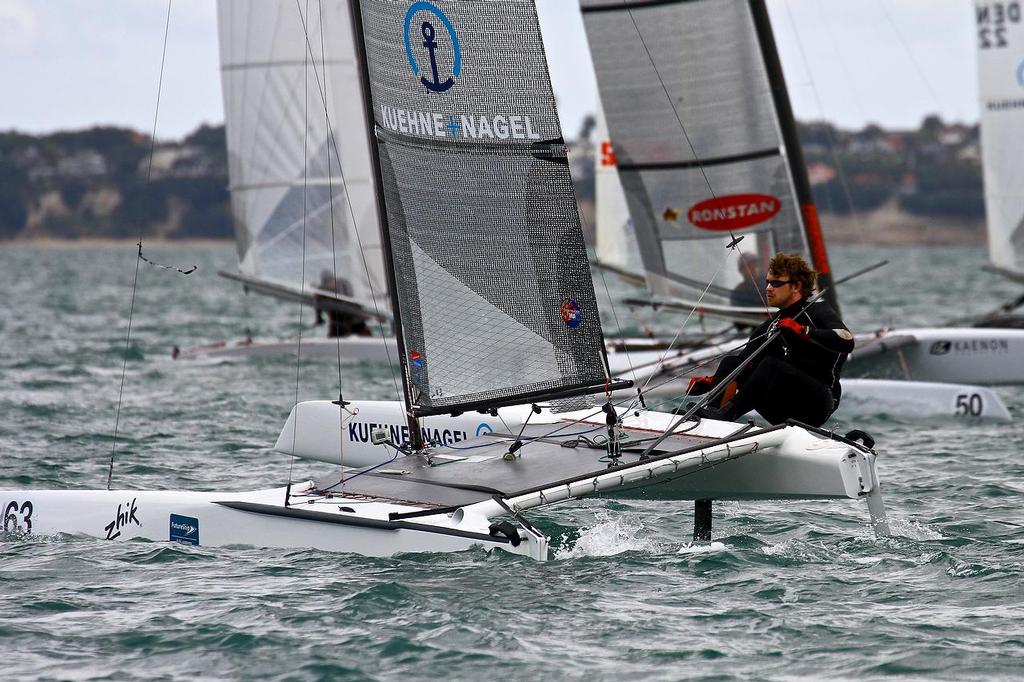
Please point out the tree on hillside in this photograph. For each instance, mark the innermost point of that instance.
(12, 199)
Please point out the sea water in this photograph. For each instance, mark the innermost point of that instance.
(788, 590)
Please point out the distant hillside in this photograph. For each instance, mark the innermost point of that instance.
(101, 183)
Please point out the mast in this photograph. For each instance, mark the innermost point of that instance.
(489, 268)
(415, 435)
(790, 138)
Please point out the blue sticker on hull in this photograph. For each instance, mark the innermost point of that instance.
(184, 529)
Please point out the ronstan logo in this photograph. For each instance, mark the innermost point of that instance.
(733, 212)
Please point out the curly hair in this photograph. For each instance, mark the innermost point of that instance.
(792, 266)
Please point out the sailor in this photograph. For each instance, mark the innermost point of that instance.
(339, 323)
(747, 293)
(797, 376)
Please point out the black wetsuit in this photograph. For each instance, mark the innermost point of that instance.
(797, 377)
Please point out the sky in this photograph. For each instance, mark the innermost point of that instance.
(72, 64)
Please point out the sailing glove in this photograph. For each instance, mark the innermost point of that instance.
(699, 385)
(791, 325)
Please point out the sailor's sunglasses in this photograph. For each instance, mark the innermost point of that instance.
(776, 283)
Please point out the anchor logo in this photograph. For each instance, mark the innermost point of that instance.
(430, 43)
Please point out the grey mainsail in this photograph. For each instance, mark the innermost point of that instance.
(493, 283)
(697, 136)
(297, 149)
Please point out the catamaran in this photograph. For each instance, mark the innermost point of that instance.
(496, 322)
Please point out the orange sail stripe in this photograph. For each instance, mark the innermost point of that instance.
(815, 240)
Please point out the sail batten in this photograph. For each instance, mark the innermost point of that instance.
(491, 272)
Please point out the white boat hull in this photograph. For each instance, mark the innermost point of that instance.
(207, 519)
(924, 399)
(444, 501)
(990, 357)
(920, 397)
(792, 471)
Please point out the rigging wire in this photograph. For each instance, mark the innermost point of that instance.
(165, 267)
(684, 371)
(139, 257)
(910, 53)
(832, 143)
(330, 184)
(671, 103)
(380, 317)
(334, 252)
(611, 301)
(690, 314)
(302, 266)
(309, 56)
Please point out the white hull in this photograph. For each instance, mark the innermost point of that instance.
(790, 472)
(204, 518)
(973, 356)
(925, 399)
(921, 397)
(445, 501)
(990, 357)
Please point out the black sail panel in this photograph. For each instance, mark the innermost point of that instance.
(698, 142)
(492, 275)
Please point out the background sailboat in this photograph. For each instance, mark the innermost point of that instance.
(301, 191)
(1001, 95)
(706, 122)
(1001, 102)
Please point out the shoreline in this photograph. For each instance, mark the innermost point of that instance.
(889, 226)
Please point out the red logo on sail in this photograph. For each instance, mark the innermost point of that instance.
(733, 212)
(571, 313)
(608, 154)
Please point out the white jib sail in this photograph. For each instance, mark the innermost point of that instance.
(1000, 31)
(616, 239)
(292, 106)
